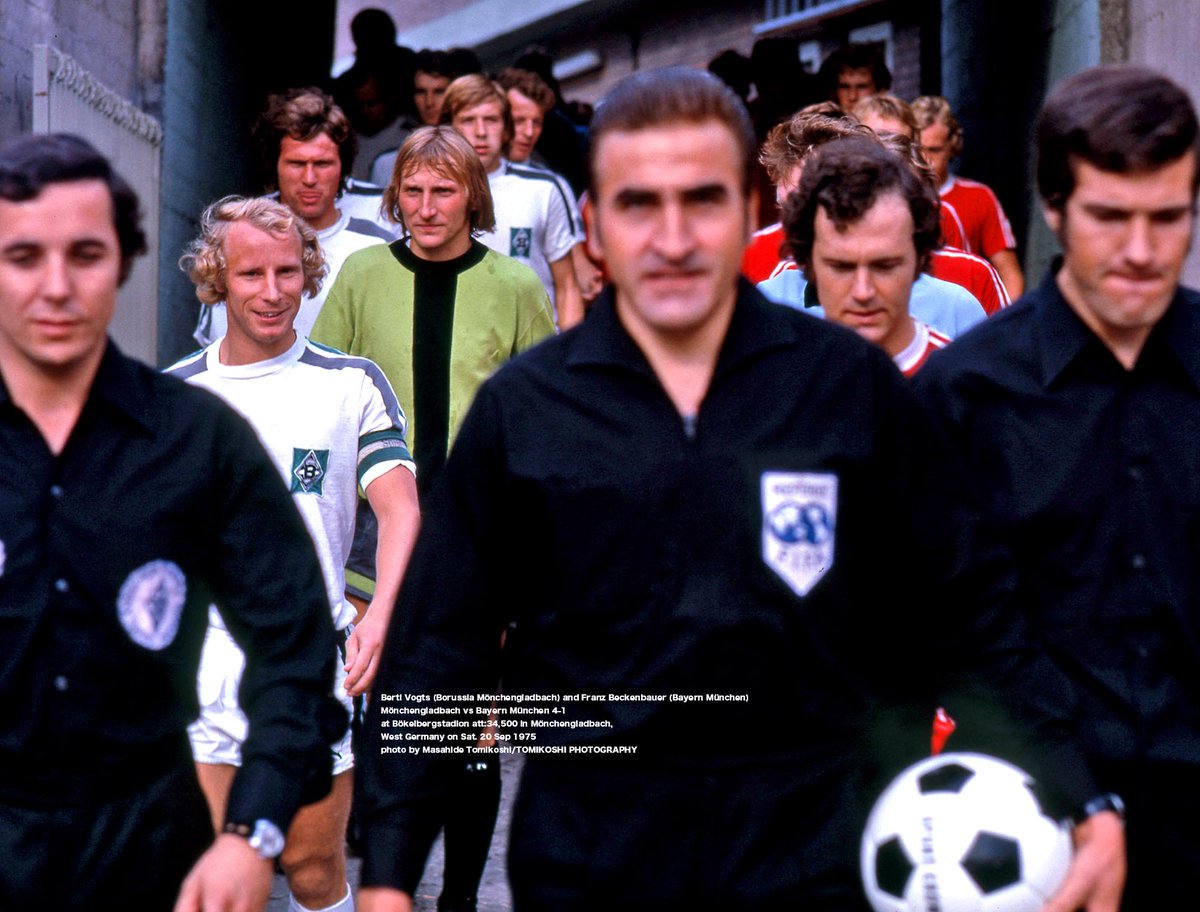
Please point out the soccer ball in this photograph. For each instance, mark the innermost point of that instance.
(962, 833)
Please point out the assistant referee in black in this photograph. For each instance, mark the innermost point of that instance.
(128, 502)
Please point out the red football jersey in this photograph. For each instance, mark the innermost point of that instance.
(952, 227)
(985, 226)
(973, 273)
(762, 253)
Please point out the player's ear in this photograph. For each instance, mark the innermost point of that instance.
(1053, 217)
(590, 227)
(751, 214)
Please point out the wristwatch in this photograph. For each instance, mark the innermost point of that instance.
(1109, 802)
(264, 837)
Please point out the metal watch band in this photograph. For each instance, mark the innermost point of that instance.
(1109, 802)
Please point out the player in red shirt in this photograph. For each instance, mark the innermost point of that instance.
(948, 262)
(885, 113)
(985, 225)
(783, 156)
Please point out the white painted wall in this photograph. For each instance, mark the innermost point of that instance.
(1165, 35)
(68, 99)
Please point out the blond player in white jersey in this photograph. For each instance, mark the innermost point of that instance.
(332, 425)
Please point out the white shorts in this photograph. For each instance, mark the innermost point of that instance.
(218, 734)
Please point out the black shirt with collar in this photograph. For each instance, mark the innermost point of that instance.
(161, 501)
(1092, 474)
(629, 550)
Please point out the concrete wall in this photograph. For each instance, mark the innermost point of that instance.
(101, 34)
(1074, 43)
(223, 58)
(1164, 35)
(994, 75)
(662, 34)
(203, 68)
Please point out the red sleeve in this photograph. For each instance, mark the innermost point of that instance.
(762, 254)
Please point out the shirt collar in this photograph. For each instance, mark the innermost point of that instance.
(339, 224)
(756, 326)
(1180, 332)
(117, 383)
(1063, 336)
(461, 263)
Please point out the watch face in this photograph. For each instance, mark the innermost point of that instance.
(267, 839)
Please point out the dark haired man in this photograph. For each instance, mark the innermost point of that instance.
(129, 500)
(1079, 409)
(853, 72)
(862, 226)
(434, 72)
(697, 477)
(305, 142)
(949, 309)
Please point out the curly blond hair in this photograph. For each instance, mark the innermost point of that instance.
(204, 261)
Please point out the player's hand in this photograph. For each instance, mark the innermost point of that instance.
(382, 899)
(362, 652)
(590, 278)
(1097, 873)
(229, 877)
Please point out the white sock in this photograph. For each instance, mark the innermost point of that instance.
(345, 904)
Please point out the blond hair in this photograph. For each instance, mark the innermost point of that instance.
(204, 262)
(445, 151)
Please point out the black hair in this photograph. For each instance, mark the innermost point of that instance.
(844, 178)
(30, 163)
(1117, 118)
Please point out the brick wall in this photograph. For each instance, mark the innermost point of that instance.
(906, 60)
(666, 34)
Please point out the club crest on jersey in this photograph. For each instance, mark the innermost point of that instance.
(150, 603)
(520, 242)
(799, 512)
(309, 468)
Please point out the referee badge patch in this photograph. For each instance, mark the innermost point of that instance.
(309, 468)
(150, 603)
(799, 521)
